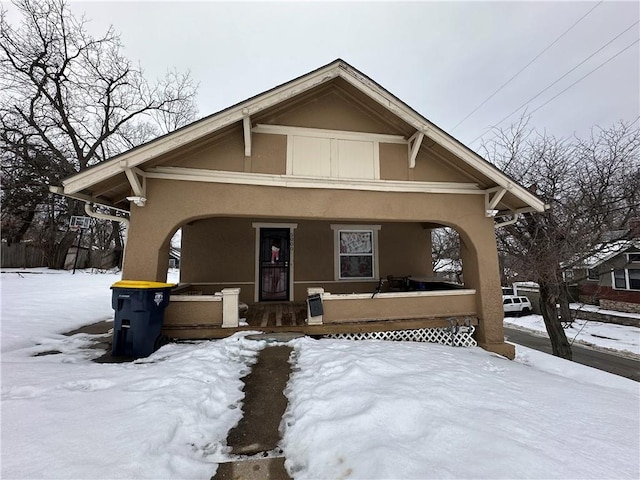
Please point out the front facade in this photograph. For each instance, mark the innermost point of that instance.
(324, 185)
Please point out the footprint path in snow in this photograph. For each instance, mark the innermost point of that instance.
(254, 441)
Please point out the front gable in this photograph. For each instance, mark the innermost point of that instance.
(332, 128)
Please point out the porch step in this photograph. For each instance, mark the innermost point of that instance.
(262, 469)
(275, 336)
(277, 314)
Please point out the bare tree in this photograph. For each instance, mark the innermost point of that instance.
(68, 101)
(591, 187)
(445, 254)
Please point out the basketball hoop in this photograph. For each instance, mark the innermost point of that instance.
(76, 223)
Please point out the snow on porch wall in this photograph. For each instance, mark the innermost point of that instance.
(333, 157)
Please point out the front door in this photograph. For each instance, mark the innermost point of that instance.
(274, 264)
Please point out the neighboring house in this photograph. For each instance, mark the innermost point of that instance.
(174, 257)
(322, 185)
(611, 277)
(448, 269)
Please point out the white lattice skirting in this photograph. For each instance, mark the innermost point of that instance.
(456, 336)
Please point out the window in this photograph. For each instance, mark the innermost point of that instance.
(619, 280)
(356, 251)
(516, 300)
(356, 254)
(507, 301)
(633, 257)
(626, 279)
(592, 274)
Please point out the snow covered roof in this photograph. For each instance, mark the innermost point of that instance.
(447, 265)
(607, 251)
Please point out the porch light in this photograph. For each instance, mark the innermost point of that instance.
(139, 201)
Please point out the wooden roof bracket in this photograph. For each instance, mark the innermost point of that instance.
(413, 146)
(491, 199)
(246, 125)
(138, 187)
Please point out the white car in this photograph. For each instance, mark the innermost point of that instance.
(516, 305)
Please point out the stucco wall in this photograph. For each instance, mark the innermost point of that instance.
(330, 110)
(222, 250)
(338, 310)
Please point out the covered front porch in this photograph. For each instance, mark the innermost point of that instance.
(343, 249)
(197, 316)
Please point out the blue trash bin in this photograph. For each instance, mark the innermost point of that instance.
(139, 313)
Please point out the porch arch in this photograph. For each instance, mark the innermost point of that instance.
(153, 225)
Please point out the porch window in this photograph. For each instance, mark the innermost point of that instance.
(356, 252)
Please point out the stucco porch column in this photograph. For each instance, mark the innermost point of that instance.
(482, 272)
(147, 248)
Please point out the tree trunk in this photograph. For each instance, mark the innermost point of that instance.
(118, 248)
(57, 251)
(563, 301)
(18, 236)
(549, 297)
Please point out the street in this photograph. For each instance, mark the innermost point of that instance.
(623, 366)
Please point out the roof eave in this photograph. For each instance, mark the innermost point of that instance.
(236, 113)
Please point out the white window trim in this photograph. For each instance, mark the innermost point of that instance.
(627, 282)
(291, 227)
(629, 257)
(337, 228)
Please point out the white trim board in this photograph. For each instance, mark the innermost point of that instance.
(324, 133)
(294, 181)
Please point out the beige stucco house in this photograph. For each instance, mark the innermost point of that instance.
(322, 185)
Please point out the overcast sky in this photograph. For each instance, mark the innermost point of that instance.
(441, 58)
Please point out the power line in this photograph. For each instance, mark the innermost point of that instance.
(587, 74)
(560, 93)
(527, 65)
(563, 76)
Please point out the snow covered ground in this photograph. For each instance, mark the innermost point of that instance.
(607, 336)
(356, 409)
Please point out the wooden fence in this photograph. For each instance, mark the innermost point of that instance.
(27, 255)
(22, 255)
